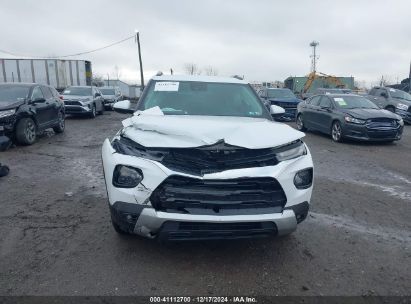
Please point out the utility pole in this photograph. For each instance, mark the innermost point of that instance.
(108, 80)
(139, 58)
(314, 56)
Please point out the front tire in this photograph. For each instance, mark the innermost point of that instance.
(93, 112)
(102, 110)
(300, 123)
(336, 131)
(61, 124)
(26, 131)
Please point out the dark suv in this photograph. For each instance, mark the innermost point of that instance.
(26, 110)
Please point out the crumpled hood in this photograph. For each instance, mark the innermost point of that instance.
(8, 105)
(178, 131)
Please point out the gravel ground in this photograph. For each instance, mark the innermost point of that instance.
(56, 237)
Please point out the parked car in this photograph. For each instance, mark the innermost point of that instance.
(393, 100)
(284, 98)
(83, 100)
(348, 116)
(26, 110)
(110, 95)
(191, 164)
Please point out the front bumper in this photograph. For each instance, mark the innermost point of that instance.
(406, 115)
(77, 109)
(363, 133)
(132, 210)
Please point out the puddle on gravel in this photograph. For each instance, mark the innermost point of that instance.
(349, 224)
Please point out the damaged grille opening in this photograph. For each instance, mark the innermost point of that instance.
(196, 196)
(204, 160)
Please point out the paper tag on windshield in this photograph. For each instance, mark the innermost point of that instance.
(392, 90)
(166, 86)
(340, 101)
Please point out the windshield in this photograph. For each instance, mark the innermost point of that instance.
(280, 93)
(203, 98)
(400, 94)
(79, 91)
(354, 102)
(107, 91)
(13, 93)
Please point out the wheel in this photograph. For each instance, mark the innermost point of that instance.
(102, 110)
(118, 229)
(26, 131)
(336, 131)
(93, 112)
(61, 124)
(390, 108)
(300, 123)
(4, 170)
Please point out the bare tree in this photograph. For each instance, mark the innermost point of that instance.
(97, 80)
(192, 69)
(210, 71)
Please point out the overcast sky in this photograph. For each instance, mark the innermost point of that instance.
(262, 40)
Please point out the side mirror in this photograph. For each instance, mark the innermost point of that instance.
(39, 100)
(123, 106)
(97, 95)
(383, 94)
(276, 111)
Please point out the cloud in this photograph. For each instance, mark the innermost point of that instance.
(263, 40)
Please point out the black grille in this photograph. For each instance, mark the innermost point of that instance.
(72, 103)
(382, 123)
(188, 195)
(204, 160)
(181, 231)
(201, 161)
(409, 109)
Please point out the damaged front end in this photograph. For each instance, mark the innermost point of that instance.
(183, 189)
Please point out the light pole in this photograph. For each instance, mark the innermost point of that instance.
(139, 58)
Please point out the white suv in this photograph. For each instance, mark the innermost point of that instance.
(201, 158)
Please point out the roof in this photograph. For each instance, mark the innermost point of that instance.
(199, 78)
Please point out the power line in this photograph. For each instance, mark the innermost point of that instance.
(70, 55)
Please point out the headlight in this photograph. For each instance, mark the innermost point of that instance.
(354, 120)
(294, 151)
(7, 113)
(303, 179)
(126, 177)
(402, 106)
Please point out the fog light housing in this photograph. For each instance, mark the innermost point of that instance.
(303, 179)
(126, 176)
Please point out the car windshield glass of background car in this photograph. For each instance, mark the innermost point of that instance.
(354, 102)
(203, 98)
(280, 93)
(77, 91)
(107, 91)
(13, 93)
(400, 94)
